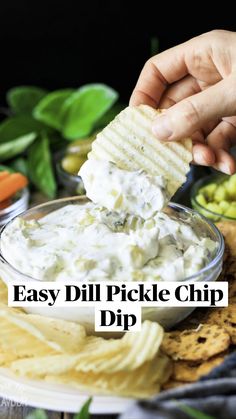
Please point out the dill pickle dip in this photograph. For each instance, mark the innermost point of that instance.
(122, 234)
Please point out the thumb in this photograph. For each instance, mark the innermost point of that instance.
(192, 113)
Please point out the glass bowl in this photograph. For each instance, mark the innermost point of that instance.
(72, 183)
(19, 203)
(167, 316)
(214, 178)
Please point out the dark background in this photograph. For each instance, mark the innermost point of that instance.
(64, 43)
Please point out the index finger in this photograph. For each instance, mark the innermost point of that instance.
(158, 72)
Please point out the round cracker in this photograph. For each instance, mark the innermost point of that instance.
(196, 345)
(225, 317)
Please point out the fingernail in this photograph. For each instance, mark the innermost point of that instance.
(199, 159)
(224, 168)
(161, 127)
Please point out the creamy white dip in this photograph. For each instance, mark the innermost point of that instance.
(102, 240)
(119, 190)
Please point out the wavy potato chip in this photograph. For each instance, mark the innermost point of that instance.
(100, 355)
(140, 347)
(129, 142)
(32, 335)
(3, 293)
(6, 358)
(143, 382)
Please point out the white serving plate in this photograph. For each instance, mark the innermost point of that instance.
(55, 396)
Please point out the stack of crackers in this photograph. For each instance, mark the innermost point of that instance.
(207, 336)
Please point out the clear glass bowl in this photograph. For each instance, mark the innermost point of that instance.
(19, 204)
(167, 316)
(72, 183)
(215, 178)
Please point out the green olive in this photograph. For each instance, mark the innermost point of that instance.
(71, 163)
(82, 146)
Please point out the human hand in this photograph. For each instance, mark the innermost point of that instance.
(196, 81)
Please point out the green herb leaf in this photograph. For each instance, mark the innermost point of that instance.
(18, 126)
(15, 147)
(37, 414)
(194, 413)
(20, 165)
(23, 99)
(40, 166)
(84, 412)
(49, 109)
(85, 107)
(4, 168)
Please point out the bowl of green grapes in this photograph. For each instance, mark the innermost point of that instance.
(214, 196)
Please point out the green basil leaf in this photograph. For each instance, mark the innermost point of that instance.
(23, 99)
(4, 168)
(17, 146)
(18, 126)
(20, 165)
(40, 166)
(84, 412)
(37, 414)
(49, 109)
(84, 108)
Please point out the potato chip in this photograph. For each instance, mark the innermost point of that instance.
(143, 382)
(100, 355)
(196, 344)
(94, 350)
(129, 142)
(6, 358)
(3, 293)
(31, 335)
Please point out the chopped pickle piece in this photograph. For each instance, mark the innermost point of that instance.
(220, 194)
(209, 190)
(224, 205)
(231, 211)
(200, 198)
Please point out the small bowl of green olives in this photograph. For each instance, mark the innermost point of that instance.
(69, 163)
(214, 196)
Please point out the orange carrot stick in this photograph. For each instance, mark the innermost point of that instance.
(4, 174)
(5, 204)
(10, 185)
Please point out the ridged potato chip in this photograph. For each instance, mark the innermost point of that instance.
(32, 335)
(129, 142)
(143, 382)
(139, 348)
(100, 355)
(3, 293)
(6, 358)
